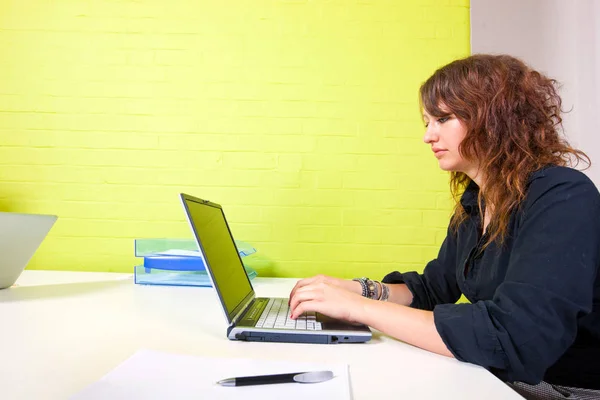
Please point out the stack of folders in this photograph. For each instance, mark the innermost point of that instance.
(177, 262)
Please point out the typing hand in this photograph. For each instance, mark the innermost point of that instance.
(351, 286)
(326, 298)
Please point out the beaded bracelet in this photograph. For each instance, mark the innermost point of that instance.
(363, 285)
(369, 288)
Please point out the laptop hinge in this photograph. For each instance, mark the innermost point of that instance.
(243, 309)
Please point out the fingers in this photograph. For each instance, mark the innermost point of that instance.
(312, 294)
(301, 283)
(305, 282)
(298, 285)
(305, 306)
(323, 298)
(303, 294)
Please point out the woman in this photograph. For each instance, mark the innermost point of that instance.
(523, 244)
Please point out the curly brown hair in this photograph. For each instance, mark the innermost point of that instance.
(513, 119)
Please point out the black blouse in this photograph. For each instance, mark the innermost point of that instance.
(535, 299)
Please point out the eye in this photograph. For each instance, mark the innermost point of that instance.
(441, 120)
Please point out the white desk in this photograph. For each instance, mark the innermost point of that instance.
(61, 331)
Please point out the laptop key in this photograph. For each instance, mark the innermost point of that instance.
(277, 315)
(290, 324)
(300, 324)
(269, 323)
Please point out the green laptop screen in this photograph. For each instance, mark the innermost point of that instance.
(220, 253)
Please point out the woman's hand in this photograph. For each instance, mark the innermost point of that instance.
(327, 297)
(342, 299)
(351, 286)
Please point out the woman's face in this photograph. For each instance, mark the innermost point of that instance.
(444, 135)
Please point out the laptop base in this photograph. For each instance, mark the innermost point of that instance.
(239, 333)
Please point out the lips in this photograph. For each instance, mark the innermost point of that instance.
(439, 152)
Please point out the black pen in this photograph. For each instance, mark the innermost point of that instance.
(300, 377)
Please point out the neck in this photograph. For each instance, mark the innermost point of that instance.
(477, 177)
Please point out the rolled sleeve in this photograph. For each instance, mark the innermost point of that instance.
(417, 286)
(467, 331)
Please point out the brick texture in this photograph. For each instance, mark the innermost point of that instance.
(300, 117)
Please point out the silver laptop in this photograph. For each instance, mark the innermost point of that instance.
(249, 317)
(20, 237)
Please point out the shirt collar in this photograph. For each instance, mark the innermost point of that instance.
(469, 198)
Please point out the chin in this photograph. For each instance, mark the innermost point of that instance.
(447, 167)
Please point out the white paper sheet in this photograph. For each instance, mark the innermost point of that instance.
(155, 375)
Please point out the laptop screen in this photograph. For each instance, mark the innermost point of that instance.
(221, 256)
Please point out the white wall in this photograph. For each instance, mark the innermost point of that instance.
(560, 38)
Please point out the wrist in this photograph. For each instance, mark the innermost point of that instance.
(371, 289)
(359, 312)
(355, 287)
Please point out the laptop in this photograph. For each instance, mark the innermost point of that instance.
(252, 318)
(20, 237)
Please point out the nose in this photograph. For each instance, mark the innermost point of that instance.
(431, 135)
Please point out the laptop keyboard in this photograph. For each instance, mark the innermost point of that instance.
(277, 315)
